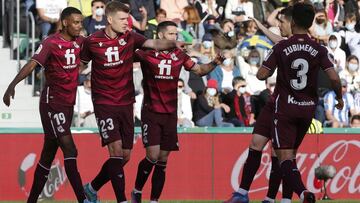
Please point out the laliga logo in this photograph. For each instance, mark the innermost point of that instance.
(56, 178)
(346, 178)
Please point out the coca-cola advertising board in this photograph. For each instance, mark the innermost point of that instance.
(207, 167)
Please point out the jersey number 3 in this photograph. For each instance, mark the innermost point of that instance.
(302, 67)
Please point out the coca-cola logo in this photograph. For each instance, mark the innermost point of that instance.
(339, 153)
(56, 178)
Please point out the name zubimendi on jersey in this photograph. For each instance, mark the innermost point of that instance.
(300, 47)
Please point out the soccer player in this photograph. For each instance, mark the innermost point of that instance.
(161, 72)
(111, 51)
(59, 56)
(293, 102)
(263, 128)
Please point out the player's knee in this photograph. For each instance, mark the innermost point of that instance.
(153, 156)
(70, 152)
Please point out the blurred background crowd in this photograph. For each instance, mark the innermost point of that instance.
(231, 95)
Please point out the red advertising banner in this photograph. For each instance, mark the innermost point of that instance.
(208, 166)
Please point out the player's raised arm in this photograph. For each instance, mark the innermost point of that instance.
(272, 36)
(204, 69)
(161, 45)
(24, 72)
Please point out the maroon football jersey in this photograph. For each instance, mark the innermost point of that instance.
(161, 72)
(60, 59)
(112, 66)
(298, 60)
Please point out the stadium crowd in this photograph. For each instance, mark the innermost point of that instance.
(231, 95)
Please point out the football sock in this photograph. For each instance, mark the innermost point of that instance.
(74, 178)
(144, 170)
(158, 180)
(275, 178)
(117, 177)
(287, 191)
(292, 176)
(250, 168)
(40, 178)
(102, 177)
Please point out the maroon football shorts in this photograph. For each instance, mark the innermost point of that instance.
(264, 123)
(115, 123)
(159, 129)
(289, 131)
(56, 119)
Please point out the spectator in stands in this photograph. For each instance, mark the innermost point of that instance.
(241, 113)
(249, 70)
(348, 32)
(339, 118)
(49, 13)
(336, 12)
(355, 121)
(357, 102)
(351, 73)
(83, 109)
(353, 6)
(137, 78)
(150, 31)
(237, 10)
(136, 6)
(225, 73)
(339, 54)
(206, 7)
(83, 5)
(184, 109)
(226, 37)
(174, 8)
(206, 52)
(97, 20)
(194, 84)
(262, 9)
(208, 108)
(191, 21)
(132, 22)
(321, 28)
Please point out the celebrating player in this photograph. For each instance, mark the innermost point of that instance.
(161, 72)
(111, 51)
(293, 103)
(59, 56)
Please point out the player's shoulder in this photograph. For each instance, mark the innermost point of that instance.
(96, 35)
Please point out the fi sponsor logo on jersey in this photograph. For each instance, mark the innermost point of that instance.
(112, 57)
(164, 70)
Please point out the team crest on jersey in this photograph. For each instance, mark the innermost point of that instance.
(100, 44)
(122, 42)
(174, 57)
(38, 50)
(76, 45)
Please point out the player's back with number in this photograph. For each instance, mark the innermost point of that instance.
(298, 60)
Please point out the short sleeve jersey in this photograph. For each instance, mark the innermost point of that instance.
(298, 60)
(61, 60)
(161, 72)
(112, 66)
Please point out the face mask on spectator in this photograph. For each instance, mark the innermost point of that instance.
(227, 62)
(231, 33)
(353, 67)
(179, 90)
(211, 91)
(207, 44)
(254, 60)
(99, 11)
(242, 90)
(333, 44)
(350, 26)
